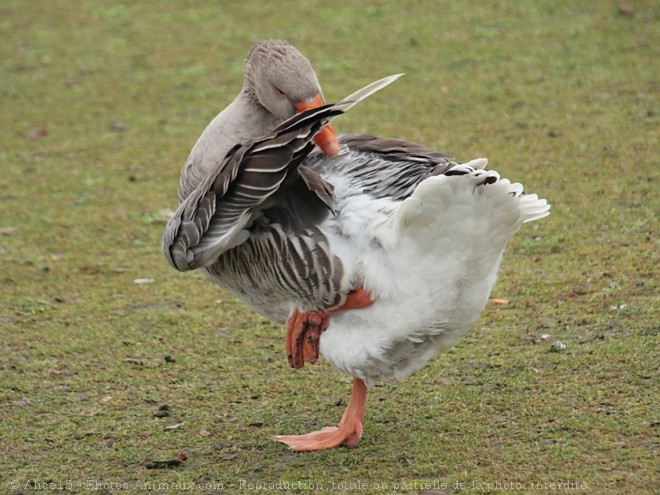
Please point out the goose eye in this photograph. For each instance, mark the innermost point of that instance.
(280, 92)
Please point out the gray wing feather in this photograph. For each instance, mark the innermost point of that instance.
(384, 167)
(213, 218)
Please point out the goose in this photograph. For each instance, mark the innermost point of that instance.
(375, 252)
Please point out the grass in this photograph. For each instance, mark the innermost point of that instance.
(101, 103)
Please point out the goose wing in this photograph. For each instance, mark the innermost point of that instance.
(384, 167)
(216, 215)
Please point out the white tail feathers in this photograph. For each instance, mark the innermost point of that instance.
(533, 208)
(467, 195)
(477, 163)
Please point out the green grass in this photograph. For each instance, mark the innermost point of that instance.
(562, 96)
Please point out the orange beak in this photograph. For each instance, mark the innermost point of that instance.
(325, 138)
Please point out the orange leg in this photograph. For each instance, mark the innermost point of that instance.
(347, 433)
(357, 299)
(304, 330)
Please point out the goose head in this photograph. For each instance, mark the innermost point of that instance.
(280, 79)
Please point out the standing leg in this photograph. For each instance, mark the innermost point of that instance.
(347, 433)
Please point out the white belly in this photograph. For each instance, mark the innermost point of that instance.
(420, 309)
